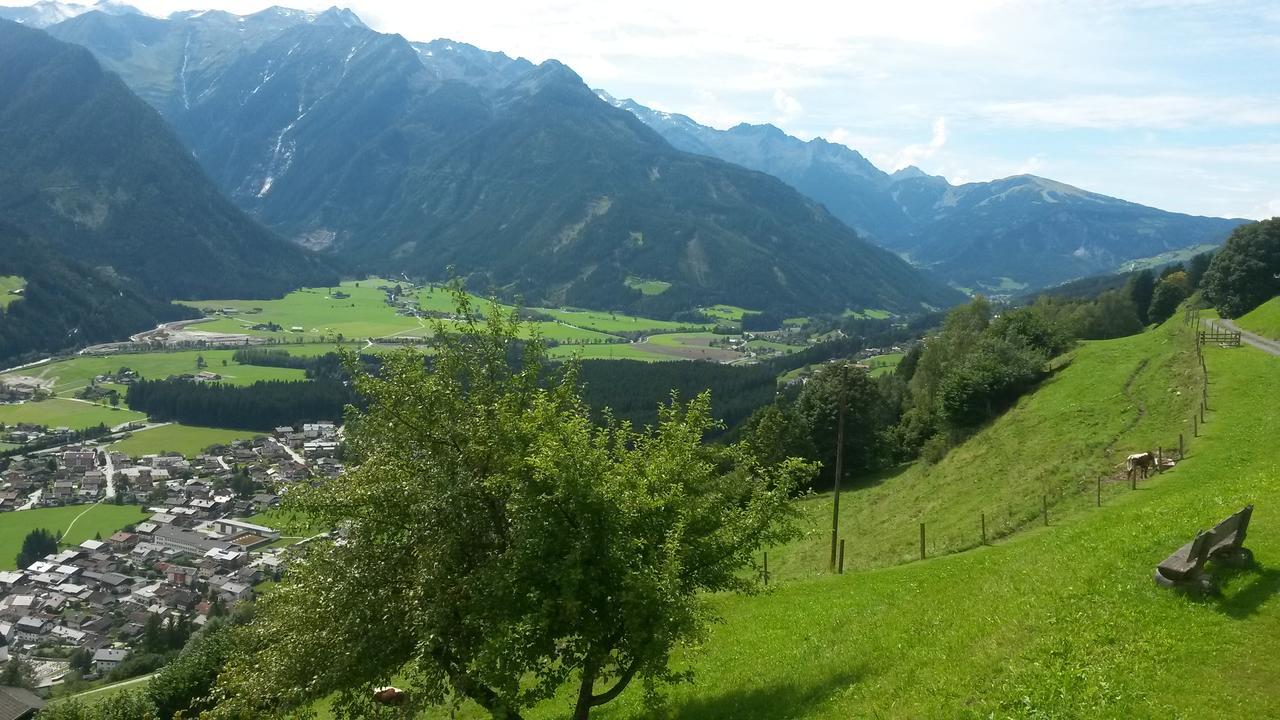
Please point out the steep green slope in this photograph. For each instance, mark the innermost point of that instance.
(91, 169)
(1263, 320)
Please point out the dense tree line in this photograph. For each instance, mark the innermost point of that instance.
(328, 366)
(261, 406)
(1246, 272)
(945, 387)
(632, 390)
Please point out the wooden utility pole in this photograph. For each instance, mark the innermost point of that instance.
(984, 528)
(921, 541)
(841, 556)
(835, 501)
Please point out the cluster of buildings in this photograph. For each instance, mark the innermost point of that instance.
(194, 552)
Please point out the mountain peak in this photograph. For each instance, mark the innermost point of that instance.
(340, 16)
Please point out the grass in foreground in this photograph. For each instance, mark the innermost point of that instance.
(189, 440)
(61, 412)
(78, 522)
(1263, 320)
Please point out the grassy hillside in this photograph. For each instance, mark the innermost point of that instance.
(1119, 396)
(1061, 623)
(1057, 622)
(1263, 320)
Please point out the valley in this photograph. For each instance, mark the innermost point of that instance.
(347, 373)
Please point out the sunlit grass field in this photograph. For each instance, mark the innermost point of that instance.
(75, 373)
(60, 412)
(188, 440)
(89, 520)
(1263, 320)
(8, 284)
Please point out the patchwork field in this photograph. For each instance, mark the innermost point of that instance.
(71, 375)
(185, 439)
(691, 346)
(61, 412)
(1263, 320)
(363, 314)
(883, 364)
(78, 522)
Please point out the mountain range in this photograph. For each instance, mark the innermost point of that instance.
(418, 157)
(105, 214)
(1020, 231)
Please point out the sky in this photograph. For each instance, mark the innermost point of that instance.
(1170, 103)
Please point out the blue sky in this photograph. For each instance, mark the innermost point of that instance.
(1171, 103)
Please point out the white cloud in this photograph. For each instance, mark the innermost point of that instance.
(788, 106)
(1114, 112)
(915, 153)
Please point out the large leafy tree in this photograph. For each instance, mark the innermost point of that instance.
(1246, 272)
(498, 546)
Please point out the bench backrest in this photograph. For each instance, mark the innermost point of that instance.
(1228, 533)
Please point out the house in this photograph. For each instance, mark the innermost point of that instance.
(105, 659)
(19, 704)
(80, 460)
(31, 629)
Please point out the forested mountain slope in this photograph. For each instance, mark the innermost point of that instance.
(94, 172)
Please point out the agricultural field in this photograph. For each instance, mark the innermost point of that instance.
(71, 375)
(77, 522)
(611, 351)
(1263, 320)
(725, 313)
(62, 412)
(363, 314)
(1163, 259)
(691, 346)
(869, 314)
(883, 364)
(607, 322)
(9, 287)
(647, 287)
(188, 440)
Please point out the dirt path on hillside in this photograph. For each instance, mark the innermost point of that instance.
(1127, 390)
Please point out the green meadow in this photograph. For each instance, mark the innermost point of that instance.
(77, 522)
(647, 287)
(62, 412)
(188, 440)
(1263, 320)
(363, 314)
(78, 372)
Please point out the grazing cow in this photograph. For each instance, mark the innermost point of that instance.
(1145, 461)
(389, 696)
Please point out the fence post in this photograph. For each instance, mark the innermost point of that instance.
(766, 568)
(1201, 413)
(1044, 505)
(1133, 479)
(1099, 491)
(984, 528)
(921, 541)
(1181, 448)
(841, 556)
(1195, 428)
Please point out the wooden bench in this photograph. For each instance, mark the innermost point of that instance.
(1223, 544)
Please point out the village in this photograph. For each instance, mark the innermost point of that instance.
(204, 539)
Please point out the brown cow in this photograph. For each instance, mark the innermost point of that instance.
(389, 696)
(1146, 461)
